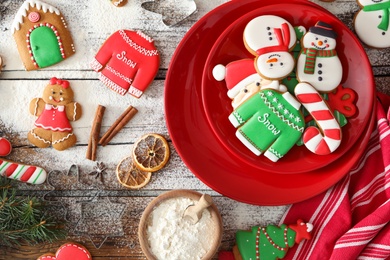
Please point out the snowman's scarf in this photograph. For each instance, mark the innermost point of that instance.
(385, 7)
(312, 54)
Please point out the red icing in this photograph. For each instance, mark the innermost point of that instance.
(68, 252)
(301, 231)
(322, 115)
(322, 148)
(342, 100)
(54, 118)
(309, 98)
(5, 147)
(29, 172)
(10, 170)
(283, 37)
(333, 133)
(63, 83)
(309, 133)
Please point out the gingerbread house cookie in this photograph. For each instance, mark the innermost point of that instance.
(41, 35)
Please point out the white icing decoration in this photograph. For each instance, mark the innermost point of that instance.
(25, 7)
(366, 26)
(137, 47)
(275, 65)
(259, 32)
(219, 72)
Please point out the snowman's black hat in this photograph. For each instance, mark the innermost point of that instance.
(323, 29)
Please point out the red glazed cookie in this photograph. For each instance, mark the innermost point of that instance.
(42, 35)
(5, 147)
(54, 111)
(68, 251)
(127, 62)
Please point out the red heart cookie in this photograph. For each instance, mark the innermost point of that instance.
(68, 251)
(5, 147)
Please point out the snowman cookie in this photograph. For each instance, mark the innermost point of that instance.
(318, 63)
(371, 23)
(271, 38)
(54, 111)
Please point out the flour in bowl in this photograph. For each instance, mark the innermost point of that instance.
(172, 237)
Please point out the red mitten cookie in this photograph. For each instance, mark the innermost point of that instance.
(68, 251)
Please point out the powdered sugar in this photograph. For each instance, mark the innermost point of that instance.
(172, 237)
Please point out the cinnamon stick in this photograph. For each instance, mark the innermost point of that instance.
(95, 132)
(118, 125)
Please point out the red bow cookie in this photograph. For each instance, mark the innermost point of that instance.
(68, 251)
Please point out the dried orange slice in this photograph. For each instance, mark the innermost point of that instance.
(130, 176)
(151, 152)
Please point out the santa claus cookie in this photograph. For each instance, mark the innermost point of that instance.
(68, 251)
(270, 242)
(42, 35)
(271, 38)
(127, 62)
(54, 111)
(242, 80)
(269, 122)
(318, 63)
(371, 23)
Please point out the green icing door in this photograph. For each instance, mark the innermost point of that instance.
(44, 46)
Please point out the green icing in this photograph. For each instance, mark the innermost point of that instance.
(44, 46)
(246, 242)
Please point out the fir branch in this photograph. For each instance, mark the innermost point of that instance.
(24, 219)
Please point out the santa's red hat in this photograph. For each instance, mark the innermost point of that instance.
(237, 74)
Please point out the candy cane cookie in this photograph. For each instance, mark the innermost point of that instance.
(25, 173)
(327, 138)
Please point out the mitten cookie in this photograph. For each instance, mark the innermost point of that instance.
(127, 62)
(318, 63)
(42, 35)
(68, 251)
(269, 122)
(54, 111)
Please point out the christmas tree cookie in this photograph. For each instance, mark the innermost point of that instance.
(271, 242)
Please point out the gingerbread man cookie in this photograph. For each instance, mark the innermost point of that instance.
(54, 111)
(68, 251)
(271, 38)
(371, 23)
(42, 35)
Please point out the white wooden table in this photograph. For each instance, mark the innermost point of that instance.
(91, 22)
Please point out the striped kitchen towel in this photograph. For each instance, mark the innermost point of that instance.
(352, 219)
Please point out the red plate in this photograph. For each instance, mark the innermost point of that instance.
(200, 149)
(357, 75)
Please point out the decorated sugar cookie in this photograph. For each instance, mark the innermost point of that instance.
(18, 171)
(371, 23)
(242, 80)
(54, 110)
(325, 138)
(269, 122)
(68, 251)
(127, 62)
(41, 35)
(270, 242)
(318, 63)
(271, 38)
